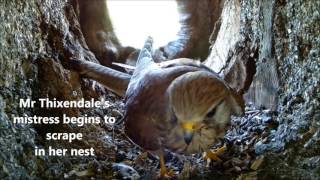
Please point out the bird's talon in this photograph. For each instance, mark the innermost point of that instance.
(213, 155)
(164, 173)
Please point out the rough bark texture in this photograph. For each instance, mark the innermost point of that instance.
(97, 30)
(197, 21)
(36, 38)
(225, 35)
(295, 45)
(278, 41)
(282, 37)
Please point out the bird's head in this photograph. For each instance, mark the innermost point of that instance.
(202, 104)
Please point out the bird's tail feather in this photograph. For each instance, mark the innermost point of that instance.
(113, 80)
(145, 56)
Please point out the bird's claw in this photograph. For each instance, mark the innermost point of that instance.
(165, 174)
(213, 155)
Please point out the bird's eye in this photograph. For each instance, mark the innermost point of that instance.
(211, 113)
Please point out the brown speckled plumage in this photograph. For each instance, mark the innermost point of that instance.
(160, 98)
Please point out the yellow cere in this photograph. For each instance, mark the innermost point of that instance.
(190, 126)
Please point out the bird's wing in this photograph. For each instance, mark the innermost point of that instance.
(186, 62)
(147, 110)
(145, 57)
(179, 62)
(144, 66)
(113, 80)
(168, 63)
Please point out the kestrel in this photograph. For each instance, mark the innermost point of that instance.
(179, 105)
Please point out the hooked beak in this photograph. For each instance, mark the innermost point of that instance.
(188, 131)
(188, 137)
